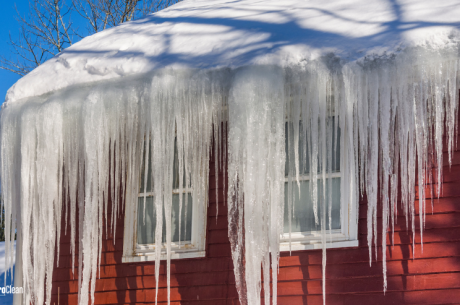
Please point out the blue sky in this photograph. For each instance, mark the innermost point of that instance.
(10, 25)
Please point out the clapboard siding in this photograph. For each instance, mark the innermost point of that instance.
(431, 277)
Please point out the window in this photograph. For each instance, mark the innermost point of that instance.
(188, 223)
(340, 220)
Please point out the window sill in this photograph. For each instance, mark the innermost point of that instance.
(150, 256)
(316, 244)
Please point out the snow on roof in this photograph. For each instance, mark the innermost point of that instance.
(207, 34)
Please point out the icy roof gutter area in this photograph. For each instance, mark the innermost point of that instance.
(211, 34)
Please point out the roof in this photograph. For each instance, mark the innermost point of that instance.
(207, 34)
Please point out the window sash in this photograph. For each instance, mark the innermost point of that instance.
(314, 236)
(150, 222)
(148, 192)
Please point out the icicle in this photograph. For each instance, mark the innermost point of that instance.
(81, 147)
(83, 138)
(256, 169)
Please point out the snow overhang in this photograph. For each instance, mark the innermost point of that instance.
(222, 33)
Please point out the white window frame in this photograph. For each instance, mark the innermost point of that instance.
(133, 252)
(346, 236)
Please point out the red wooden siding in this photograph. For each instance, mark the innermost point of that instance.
(431, 277)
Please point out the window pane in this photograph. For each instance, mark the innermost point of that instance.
(146, 230)
(149, 178)
(303, 219)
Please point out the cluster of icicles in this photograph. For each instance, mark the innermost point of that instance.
(74, 151)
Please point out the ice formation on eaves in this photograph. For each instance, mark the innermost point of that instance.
(83, 146)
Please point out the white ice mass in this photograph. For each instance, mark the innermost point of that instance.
(384, 74)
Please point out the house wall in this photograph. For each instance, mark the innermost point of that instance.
(432, 276)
